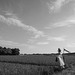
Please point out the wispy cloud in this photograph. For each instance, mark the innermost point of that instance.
(11, 43)
(43, 43)
(10, 14)
(15, 21)
(71, 45)
(60, 38)
(56, 5)
(66, 23)
(15, 44)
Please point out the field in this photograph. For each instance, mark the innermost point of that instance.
(36, 59)
(34, 65)
(20, 69)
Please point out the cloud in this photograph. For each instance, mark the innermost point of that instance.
(4, 42)
(15, 44)
(66, 23)
(71, 45)
(56, 5)
(60, 39)
(43, 43)
(9, 13)
(13, 20)
(11, 43)
(31, 40)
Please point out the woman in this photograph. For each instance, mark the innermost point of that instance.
(60, 59)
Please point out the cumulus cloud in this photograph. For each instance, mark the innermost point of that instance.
(60, 39)
(56, 5)
(16, 22)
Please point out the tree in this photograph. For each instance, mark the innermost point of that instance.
(15, 51)
(0, 47)
(9, 51)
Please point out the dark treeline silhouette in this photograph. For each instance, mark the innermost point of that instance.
(9, 51)
(53, 54)
(69, 53)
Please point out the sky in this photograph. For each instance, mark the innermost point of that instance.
(37, 26)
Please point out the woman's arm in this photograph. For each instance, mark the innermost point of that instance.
(56, 59)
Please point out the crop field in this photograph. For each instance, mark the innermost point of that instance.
(36, 59)
(20, 69)
(33, 65)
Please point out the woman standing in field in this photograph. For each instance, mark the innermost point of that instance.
(60, 59)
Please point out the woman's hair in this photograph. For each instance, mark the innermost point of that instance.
(59, 50)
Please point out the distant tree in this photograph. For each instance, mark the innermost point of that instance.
(15, 51)
(1, 51)
(9, 51)
(0, 47)
(4, 51)
(4, 48)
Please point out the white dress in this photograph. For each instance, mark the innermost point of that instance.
(61, 61)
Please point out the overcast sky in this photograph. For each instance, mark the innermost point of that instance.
(37, 26)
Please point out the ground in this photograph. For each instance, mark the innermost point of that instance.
(69, 71)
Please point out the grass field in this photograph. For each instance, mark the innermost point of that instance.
(20, 69)
(32, 65)
(36, 59)
(68, 71)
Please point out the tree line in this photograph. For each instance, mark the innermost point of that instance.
(9, 51)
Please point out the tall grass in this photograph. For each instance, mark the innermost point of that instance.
(36, 59)
(32, 65)
(68, 71)
(20, 69)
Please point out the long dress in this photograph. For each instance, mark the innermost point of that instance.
(61, 61)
